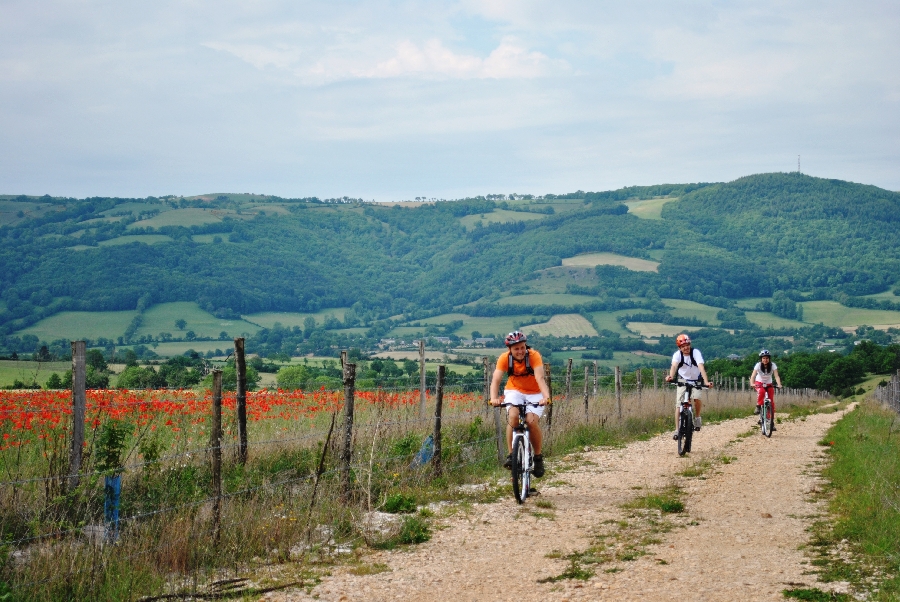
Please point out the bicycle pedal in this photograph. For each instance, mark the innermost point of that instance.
(533, 491)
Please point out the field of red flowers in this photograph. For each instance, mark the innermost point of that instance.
(28, 417)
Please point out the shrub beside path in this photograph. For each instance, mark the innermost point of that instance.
(747, 509)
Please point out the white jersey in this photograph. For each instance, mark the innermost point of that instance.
(764, 377)
(689, 371)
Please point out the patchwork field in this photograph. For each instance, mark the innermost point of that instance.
(832, 313)
(547, 299)
(648, 209)
(162, 317)
(689, 309)
(623, 359)
(595, 259)
(556, 279)
(28, 372)
(606, 320)
(656, 329)
(74, 325)
(290, 319)
(767, 319)
(498, 216)
(180, 217)
(562, 325)
(147, 239)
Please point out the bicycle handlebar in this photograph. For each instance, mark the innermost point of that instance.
(696, 384)
(531, 405)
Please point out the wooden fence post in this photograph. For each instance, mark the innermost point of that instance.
(215, 445)
(438, 404)
(639, 385)
(422, 378)
(347, 451)
(619, 392)
(240, 366)
(655, 380)
(586, 411)
(569, 379)
(595, 379)
(499, 431)
(79, 402)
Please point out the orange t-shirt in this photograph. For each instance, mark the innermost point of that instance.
(520, 380)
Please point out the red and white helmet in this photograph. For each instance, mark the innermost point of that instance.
(515, 337)
(683, 339)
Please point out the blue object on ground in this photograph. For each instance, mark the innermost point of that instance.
(425, 453)
(112, 487)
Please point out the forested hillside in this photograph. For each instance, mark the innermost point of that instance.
(783, 239)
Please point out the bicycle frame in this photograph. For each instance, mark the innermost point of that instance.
(766, 416)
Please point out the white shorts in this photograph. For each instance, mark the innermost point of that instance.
(679, 395)
(519, 399)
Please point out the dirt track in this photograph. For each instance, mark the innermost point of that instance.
(723, 547)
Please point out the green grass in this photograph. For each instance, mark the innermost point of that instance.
(498, 216)
(606, 320)
(162, 317)
(147, 239)
(656, 329)
(595, 259)
(268, 319)
(28, 372)
(547, 299)
(648, 209)
(681, 308)
(767, 319)
(74, 325)
(181, 217)
(832, 313)
(864, 479)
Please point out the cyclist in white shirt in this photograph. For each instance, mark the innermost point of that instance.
(687, 363)
(761, 378)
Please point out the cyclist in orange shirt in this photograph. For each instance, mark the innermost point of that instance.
(525, 384)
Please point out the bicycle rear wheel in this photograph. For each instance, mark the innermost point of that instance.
(685, 432)
(767, 419)
(520, 486)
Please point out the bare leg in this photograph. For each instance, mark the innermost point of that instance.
(534, 432)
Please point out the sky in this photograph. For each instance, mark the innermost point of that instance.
(389, 101)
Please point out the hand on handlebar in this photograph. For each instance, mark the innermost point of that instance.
(668, 378)
(494, 402)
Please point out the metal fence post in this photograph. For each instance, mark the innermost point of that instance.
(586, 412)
(438, 405)
(215, 445)
(619, 392)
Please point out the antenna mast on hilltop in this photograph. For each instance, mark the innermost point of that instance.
(798, 163)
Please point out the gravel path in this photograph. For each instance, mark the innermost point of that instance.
(738, 539)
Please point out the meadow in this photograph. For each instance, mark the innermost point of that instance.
(75, 325)
(563, 325)
(147, 239)
(162, 318)
(681, 308)
(595, 259)
(268, 319)
(498, 216)
(547, 299)
(182, 217)
(648, 209)
(835, 314)
(29, 372)
(291, 502)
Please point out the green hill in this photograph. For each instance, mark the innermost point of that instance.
(781, 239)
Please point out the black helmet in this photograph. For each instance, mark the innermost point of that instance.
(515, 337)
(765, 353)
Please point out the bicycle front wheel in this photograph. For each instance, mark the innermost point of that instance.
(767, 419)
(685, 432)
(519, 464)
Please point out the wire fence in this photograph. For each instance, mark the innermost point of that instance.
(889, 394)
(163, 499)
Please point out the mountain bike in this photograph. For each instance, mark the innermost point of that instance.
(766, 415)
(522, 455)
(686, 414)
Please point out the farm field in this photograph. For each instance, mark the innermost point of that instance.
(606, 320)
(162, 317)
(751, 302)
(180, 217)
(595, 259)
(620, 358)
(137, 207)
(547, 299)
(767, 319)
(28, 372)
(74, 325)
(290, 319)
(498, 216)
(561, 325)
(832, 313)
(689, 309)
(656, 329)
(556, 279)
(147, 239)
(648, 209)
(173, 348)
(886, 296)
(210, 238)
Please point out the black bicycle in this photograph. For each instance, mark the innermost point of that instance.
(522, 455)
(686, 414)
